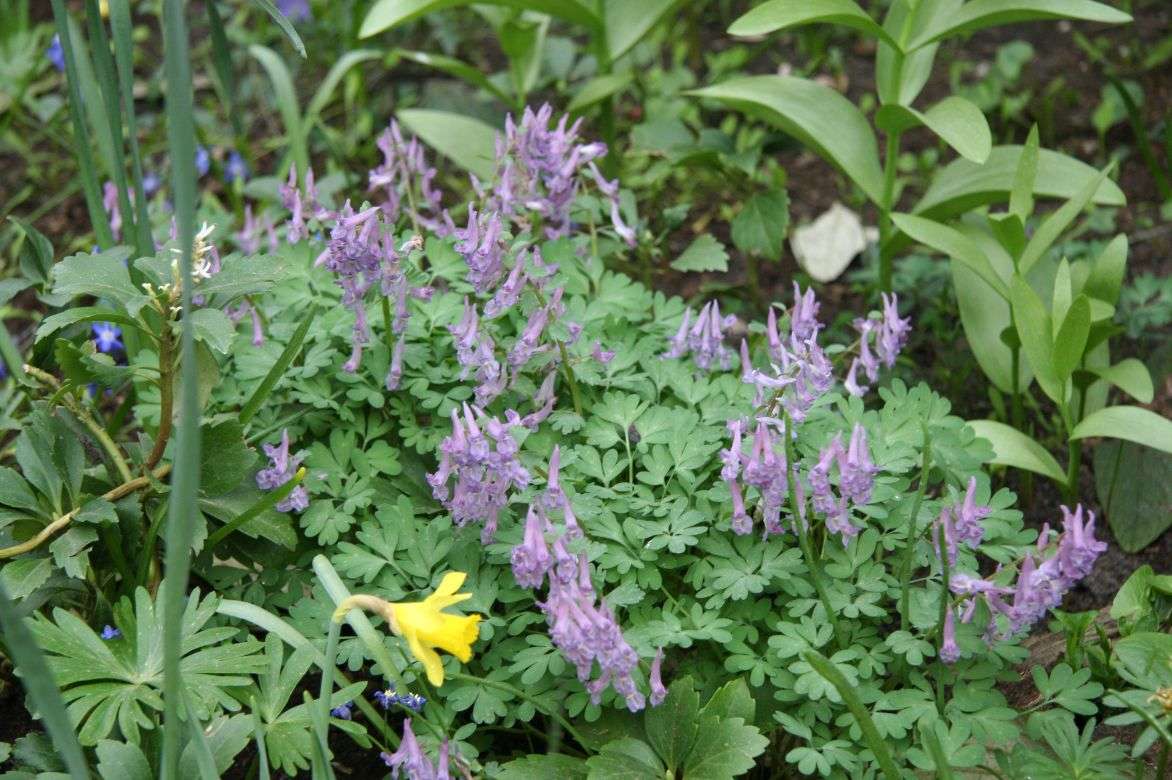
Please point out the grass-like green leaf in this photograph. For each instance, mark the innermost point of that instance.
(39, 682)
(185, 476)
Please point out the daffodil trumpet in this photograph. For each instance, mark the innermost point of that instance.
(423, 623)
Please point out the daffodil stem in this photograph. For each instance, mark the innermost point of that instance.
(500, 686)
(909, 552)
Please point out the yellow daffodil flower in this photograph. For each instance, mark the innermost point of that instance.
(424, 625)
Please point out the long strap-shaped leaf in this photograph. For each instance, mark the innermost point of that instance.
(120, 25)
(38, 681)
(851, 698)
(785, 14)
(185, 482)
(284, 23)
(385, 14)
(82, 146)
(980, 14)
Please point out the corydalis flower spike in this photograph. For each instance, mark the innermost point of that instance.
(531, 559)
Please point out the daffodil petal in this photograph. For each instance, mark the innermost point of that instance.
(450, 584)
(429, 658)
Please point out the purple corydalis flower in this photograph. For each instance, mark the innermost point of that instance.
(406, 174)
(484, 468)
(765, 470)
(544, 402)
(585, 630)
(106, 336)
(531, 559)
(658, 691)
(731, 457)
(529, 343)
(803, 316)
(949, 650)
(110, 203)
(509, 292)
(603, 356)
(704, 339)
(482, 247)
(968, 516)
(476, 352)
(856, 478)
(109, 633)
(411, 761)
(282, 468)
(887, 336)
(395, 372)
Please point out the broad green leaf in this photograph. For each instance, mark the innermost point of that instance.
(706, 253)
(225, 458)
(900, 78)
(386, 14)
(1021, 197)
(1062, 295)
(457, 68)
(1130, 423)
(954, 244)
(979, 14)
(1131, 376)
(214, 328)
(522, 39)
(625, 758)
(671, 726)
(598, 89)
(102, 275)
(1071, 340)
(20, 578)
(628, 22)
(963, 185)
(1054, 224)
(543, 767)
(957, 122)
(782, 14)
(1107, 271)
(468, 142)
(1011, 447)
(816, 115)
(1034, 330)
(760, 226)
(1134, 487)
(122, 761)
(725, 748)
(78, 314)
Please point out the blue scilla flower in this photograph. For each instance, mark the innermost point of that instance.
(151, 183)
(413, 701)
(342, 711)
(109, 632)
(295, 10)
(106, 336)
(235, 168)
(203, 161)
(386, 699)
(56, 54)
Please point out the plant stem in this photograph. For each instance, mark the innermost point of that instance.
(387, 323)
(121, 491)
(890, 164)
(909, 557)
(500, 686)
(945, 605)
(99, 433)
(166, 396)
(569, 372)
(327, 690)
(803, 533)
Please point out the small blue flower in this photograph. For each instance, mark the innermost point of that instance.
(106, 336)
(413, 701)
(203, 161)
(386, 699)
(295, 10)
(109, 632)
(56, 54)
(342, 711)
(151, 183)
(3, 370)
(235, 168)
